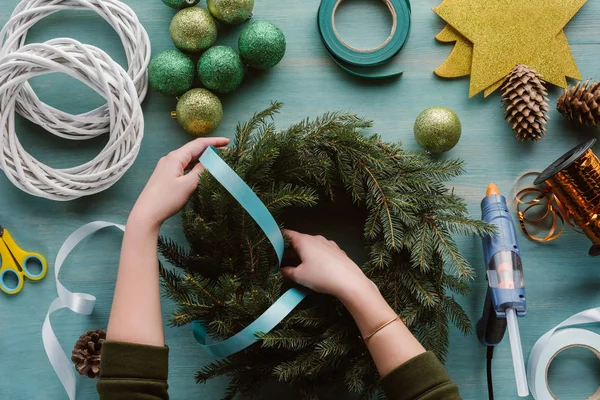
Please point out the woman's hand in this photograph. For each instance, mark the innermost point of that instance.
(169, 187)
(324, 268)
(136, 313)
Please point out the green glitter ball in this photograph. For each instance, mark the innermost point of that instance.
(179, 4)
(199, 112)
(231, 12)
(193, 30)
(220, 69)
(171, 73)
(262, 45)
(437, 129)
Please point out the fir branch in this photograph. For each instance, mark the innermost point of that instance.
(450, 251)
(243, 131)
(457, 315)
(288, 339)
(216, 368)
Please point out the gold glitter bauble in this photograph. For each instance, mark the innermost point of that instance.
(231, 12)
(437, 129)
(193, 30)
(199, 112)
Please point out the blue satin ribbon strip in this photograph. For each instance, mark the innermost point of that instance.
(257, 210)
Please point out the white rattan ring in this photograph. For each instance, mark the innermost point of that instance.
(135, 42)
(97, 70)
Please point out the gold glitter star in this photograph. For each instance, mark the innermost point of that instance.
(504, 33)
(460, 59)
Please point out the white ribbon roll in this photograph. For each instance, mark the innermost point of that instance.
(560, 338)
(80, 303)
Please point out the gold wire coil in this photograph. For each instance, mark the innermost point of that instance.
(571, 196)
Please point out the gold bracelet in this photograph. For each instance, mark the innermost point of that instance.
(381, 327)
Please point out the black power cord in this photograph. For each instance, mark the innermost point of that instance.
(490, 356)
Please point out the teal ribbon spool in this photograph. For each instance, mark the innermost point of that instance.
(366, 63)
(259, 212)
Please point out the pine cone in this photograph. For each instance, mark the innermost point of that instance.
(581, 103)
(86, 354)
(524, 95)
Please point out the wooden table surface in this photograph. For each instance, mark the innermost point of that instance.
(561, 279)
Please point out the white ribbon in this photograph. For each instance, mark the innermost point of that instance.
(560, 338)
(80, 303)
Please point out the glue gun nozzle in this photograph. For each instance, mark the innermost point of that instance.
(492, 189)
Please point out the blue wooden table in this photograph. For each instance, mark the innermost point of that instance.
(561, 279)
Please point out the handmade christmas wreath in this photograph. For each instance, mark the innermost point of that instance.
(228, 277)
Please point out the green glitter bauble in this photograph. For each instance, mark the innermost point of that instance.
(231, 12)
(199, 112)
(193, 30)
(220, 69)
(437, 129)
(262, 45)
(171, 73)
(179, 4)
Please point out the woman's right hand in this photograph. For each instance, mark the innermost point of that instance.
(324, 267)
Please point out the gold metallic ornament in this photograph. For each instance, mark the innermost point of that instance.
(199, 112)
(231, 12)
(193, 30)
(437, 129)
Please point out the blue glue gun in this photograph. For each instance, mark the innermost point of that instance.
(505, 298)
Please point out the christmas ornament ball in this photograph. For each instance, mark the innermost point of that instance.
(437, 129)
(171, 73)
(262, 45)
(199, 112)
(231, 12)
(193, 30)
(179, 4)
(220, 69)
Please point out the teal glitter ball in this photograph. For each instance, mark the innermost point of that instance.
(231, 12)
(171, 73)
(179, 4)
(437, 129)
(262, 45)
(220, 69)
(193, 30)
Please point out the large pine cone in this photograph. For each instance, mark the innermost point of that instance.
(526, 100)
(581, 103)
(86, 354)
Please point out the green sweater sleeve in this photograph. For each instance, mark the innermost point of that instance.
(421, 378)
(137, 372)
(133, 372)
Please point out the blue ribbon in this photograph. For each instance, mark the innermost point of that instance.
(257, 210)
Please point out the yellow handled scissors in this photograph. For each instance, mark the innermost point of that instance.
(17, 264)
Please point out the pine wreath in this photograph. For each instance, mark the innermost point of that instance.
(228, 277)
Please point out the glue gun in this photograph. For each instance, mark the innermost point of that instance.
(505, 298)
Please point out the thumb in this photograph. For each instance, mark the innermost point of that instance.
(192, 176)
(291, 273)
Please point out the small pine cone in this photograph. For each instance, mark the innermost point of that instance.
(581, 103)
(86, 354)
(525, 98)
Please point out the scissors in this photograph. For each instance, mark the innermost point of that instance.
(17, 264)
